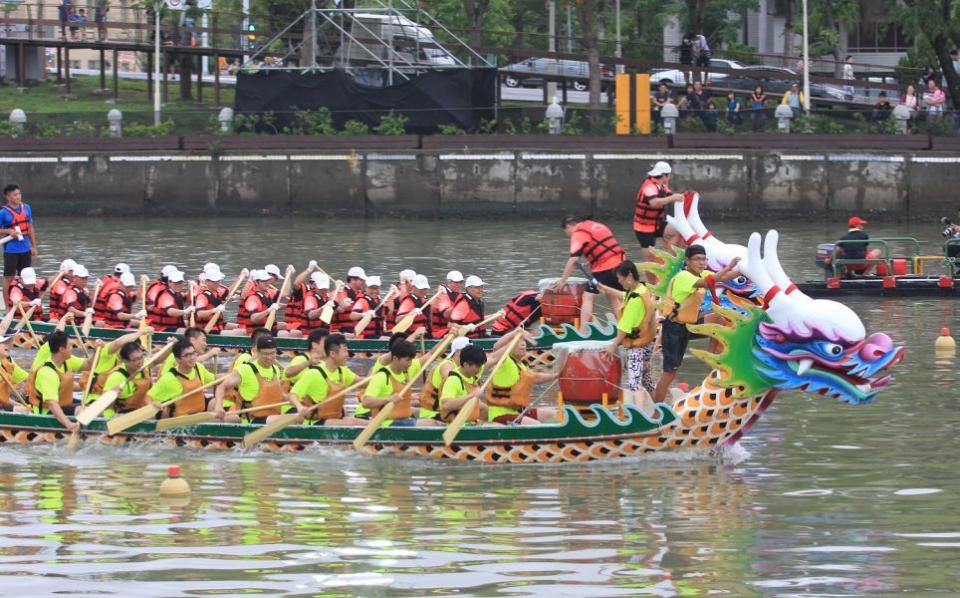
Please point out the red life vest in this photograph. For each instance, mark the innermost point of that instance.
(468, 310)
(515, 313)
(153, 289)
(159, 318)
(364, 304)
(212, 299)
(110, 317)
(444, 304)
(19, 292)
(647, 219)
(244, 315)
(109, 286)
(602, 251)
(56, 298)
(341, 319)
(20, 219)
(407, 305)
(318, 297)
(293, 312)
(82, 299)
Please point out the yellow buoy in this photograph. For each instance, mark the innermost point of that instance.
(945, 342)
(174, 485)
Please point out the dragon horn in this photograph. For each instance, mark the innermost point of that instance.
(693, 217)
(679, 222)
(771, 261)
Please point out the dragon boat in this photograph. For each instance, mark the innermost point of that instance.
(783, 341)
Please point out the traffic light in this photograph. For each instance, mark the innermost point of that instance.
(251, 32)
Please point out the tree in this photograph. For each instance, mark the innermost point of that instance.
(475, 11)
(938, 22)
(589, 15)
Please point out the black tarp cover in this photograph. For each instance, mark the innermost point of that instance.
(461, 97)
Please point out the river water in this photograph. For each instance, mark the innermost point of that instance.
(821, 498)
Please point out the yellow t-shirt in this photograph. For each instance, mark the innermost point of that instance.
(168, 386)
(44, 355)
(380, 387)
(634, 310)
(313, 384)
(682, 285)
(47, 383)
(249, 384)
(506, 376)
(297, 360)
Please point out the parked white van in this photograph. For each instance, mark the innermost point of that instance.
(390, 38)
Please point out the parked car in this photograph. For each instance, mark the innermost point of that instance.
(528, 73)
(669, 76)
(776, 79)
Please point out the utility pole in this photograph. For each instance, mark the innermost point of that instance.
(806, 62)
(551, 86)
(156, 62)
(618, 50)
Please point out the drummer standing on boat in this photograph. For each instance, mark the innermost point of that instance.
(649, 217)
(685, 295)
(595, 242)
(16, 220)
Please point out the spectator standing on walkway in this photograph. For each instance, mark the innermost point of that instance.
(848, 75)
(734, 107)
(701, 56)
(686, 55)
(100, 18)
(882, 109)
(758, 102)
(700, 102)
(661, 98)
(933, 101)
(793, 97)
(16, 220)
(63, 12)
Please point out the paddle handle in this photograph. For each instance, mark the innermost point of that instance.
(53, 283)
(365, 320)
(13, 388)
(92, 376)
(230, 296)
(144, 341)
(193, 304)
(25, 319)
(374, 425)
(187, 394)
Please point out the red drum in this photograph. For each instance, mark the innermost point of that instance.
(563, 306)
(588, 371)
(899, 267)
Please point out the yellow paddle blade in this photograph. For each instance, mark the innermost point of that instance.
(361, 325)
(373, 426)
(185, 420)
(128, 420)
(326, 314)
(270, 429)
(94, 409)
(73, 443)
(405, 322)
(459, 421)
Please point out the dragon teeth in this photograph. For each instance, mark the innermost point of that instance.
(803, 365)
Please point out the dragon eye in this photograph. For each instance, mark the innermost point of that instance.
(833, 349)
(740, 280)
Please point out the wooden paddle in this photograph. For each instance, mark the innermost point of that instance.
(83, 344)
(287, 419)
(74, 439)
(326, 314)
(88, 317)
(379, 418)
(407, 321)
(52, 284)
(25, 321)
(122, 422)
(94, 409)
(467, 410)
(144, 322)
(365, 320)
(193, 304)
(5, 322)
(20, 399)
(479, 325)
(205, 416)
(233, 291)
(284, 289)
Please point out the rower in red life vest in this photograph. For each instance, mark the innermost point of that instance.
(317, 295)
(255, 309)
(356, 282)
(293, 314)
(468, 311)
(108, 284)
(442, 307)
(649, 218)
(76, 300)
(415, 300)
(369, 304)
(594, 242)
(404, 288)
(170, 307)
(524, 308)
(156, 285)
(58, 289)
(119, 305)
(25, 292)
(211, 299)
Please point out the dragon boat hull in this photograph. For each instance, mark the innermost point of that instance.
(873, 286)
(610, 434)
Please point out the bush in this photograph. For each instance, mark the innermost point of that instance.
(691, 124)
(312, 122)
(392, 124)
(450, 129)
(81, 128)
(355, 128)
(141, 130)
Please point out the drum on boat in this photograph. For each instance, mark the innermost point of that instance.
(563, 306)
(588, 371)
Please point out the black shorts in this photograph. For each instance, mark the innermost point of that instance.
(607, 277)
(674, 338)
(650, 239)
(14, 262)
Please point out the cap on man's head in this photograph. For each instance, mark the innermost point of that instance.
(175, 276)
(420, 282)
(128, 280)
(67, 265)
(473, 281)
(272, 270)
(80, 272)
(320, 280)
(259, 276)
(121, 268)
(856, 221)
(407, 275)
(28, 276)
(659, 169)
(212, 272)
(455, 276)
(459, 344)
(356, 272)
(373, 281)
(168, 270)
(695, 250)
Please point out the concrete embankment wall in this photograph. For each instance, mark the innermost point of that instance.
(497, 183)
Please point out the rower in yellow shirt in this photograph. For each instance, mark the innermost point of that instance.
(184, 377)
(259, 383)
(13, 376)
(51, 390)
(385, 387)
(318, 381)
(463, 384)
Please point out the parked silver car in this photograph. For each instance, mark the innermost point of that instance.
(676, 75)
(529, 73)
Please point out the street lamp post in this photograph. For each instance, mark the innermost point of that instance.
(806, 61)
(156, 62)
(618, 51)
